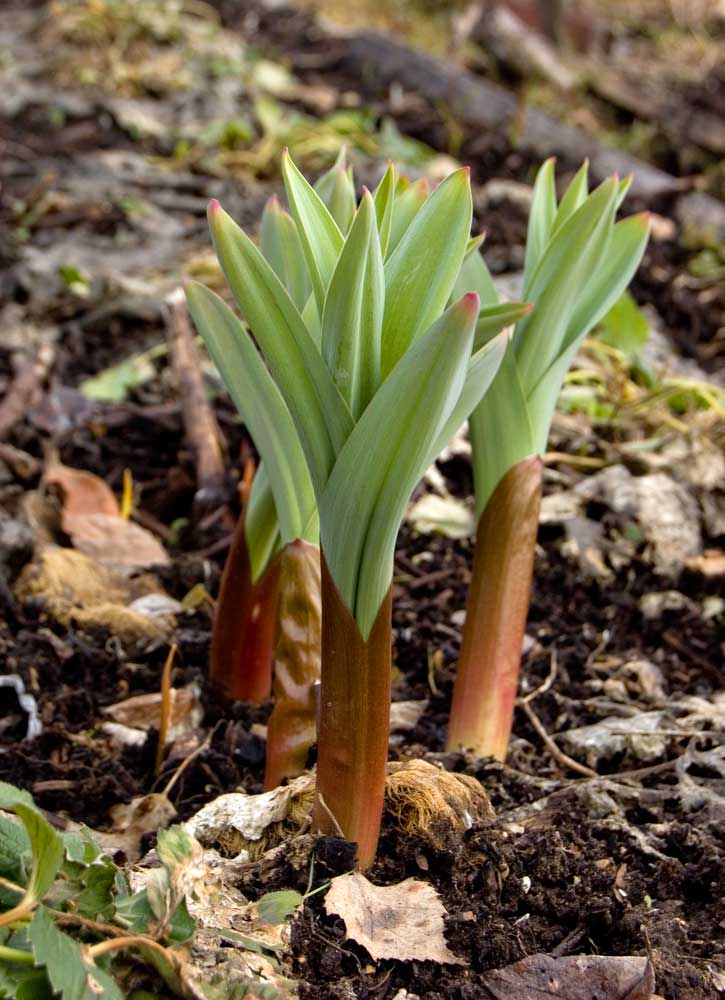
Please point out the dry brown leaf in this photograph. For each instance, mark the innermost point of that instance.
(143, 711)
(403, 921)
(83, 493)
(580, 977)
(114, 542)
(142, 815)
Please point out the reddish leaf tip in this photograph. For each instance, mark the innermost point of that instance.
(364, 191)
(471, 302)
(213, 208)
(468, 171)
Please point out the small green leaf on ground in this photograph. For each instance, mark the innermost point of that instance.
(276, 907)
(624, 327)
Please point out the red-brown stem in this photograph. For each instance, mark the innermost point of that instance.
(354, 723)
(292, 726)
(498, 603)
(242, 640)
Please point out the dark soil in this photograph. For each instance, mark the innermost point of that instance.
(615, 865)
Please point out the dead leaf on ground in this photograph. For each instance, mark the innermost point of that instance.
(132, 820)
(405, 715)
(444, 515)
(403, 921)
(238, 822)
(83, 493)
(580, 977)
(138, 714)
(91, 517)
(115, 542)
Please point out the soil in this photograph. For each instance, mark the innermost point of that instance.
(620, 864)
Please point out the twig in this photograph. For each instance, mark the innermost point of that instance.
(329, 812)
(92, 925)
(544, 686)
(202, 430)
(192, 756)
(131, 941)
(580, 461)
(559, 756)
(25, 387)
(165, 708)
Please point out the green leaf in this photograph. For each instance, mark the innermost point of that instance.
(96, 900)
(261, 406)
(409, 199)
(474, 276)
(386, 455)
(261, 525)
(45, 843)
(574, 197)
(421, 273)
(20, 982)
(71, 975)
(384, 206)
(135, 913)
(624, 327)
(321, 417)
(541, 219)
(276, 907)
(481, 371)
(15, 850)
(501, 431)
(114, 384)
(34, 987)
(607, 284)
(336, 188)
(353, 314)
(320, 235)
(572, 256)
(282, 247)
(493, 319)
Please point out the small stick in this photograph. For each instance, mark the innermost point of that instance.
(25, 388)
(544, 686)
(202, 430)
(165, 708)
(559, 756)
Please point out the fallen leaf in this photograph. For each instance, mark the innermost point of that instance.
(115, 542)
(444, 515)
(580, 977)
(132, 820)
(403, 921)
(140, 713)
(91, 517)
(237, 822)
(405, 715)
(83, 493)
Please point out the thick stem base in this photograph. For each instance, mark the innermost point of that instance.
(354, 722)
(242, 640)
(498, 602)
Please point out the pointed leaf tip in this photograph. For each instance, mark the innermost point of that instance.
(471, 302)
(213, 208)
